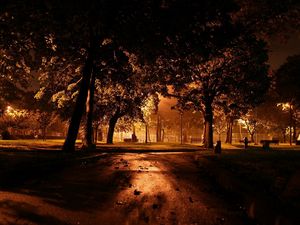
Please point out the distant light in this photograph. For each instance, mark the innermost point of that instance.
(9, 109)
(285, 106)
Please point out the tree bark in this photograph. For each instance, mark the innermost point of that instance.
(111, 128)
(95, 133)
(229, 132)
(158, 129)
(88, 142)
(203, 133)
(208, 117)
(100, 134)
(44, 132)
(284, 135)
(294, 131)
(146, 133)
(69, 144)
(252, 137)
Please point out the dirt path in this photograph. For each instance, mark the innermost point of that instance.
(121, 189)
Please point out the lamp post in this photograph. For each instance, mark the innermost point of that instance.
(291, 121)
(181, 115)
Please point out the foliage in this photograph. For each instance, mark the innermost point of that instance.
(288, 81)
(268, 18)
(207, 51)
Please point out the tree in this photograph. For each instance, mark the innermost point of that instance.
(220, 123)
(14, 118)
(149, 107)
(269, 18)
(287, 87)
(72, 32)
(250, 122)
(235, 73)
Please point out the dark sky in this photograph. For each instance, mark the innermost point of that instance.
(280, 50)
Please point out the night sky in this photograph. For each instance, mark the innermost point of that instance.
(280, 50)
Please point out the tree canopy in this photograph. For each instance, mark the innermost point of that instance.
(209, 53)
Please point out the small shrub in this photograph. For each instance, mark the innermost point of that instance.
(6, 135)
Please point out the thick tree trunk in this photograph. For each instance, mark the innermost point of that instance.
(208, 117)
(111, 128)
(88, 142)
(229, 132)
(252, 137)
(69, 145)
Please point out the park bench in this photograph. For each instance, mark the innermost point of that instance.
(130, 140)
(196, 140)
(243, 141)
(266, 143)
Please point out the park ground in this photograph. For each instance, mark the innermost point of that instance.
(148, 184)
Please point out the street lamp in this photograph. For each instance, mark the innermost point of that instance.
(288, 106)
(181, 115)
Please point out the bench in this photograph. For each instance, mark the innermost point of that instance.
(243, 141)
(266, 143)
(196, 140)
(130, 140)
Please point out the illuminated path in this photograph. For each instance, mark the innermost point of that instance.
(166, 188)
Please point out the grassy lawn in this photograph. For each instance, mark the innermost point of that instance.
(270, 170)
(274, 173)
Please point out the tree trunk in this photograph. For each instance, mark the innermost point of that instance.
(100, 134)
(88, 142)
(203, 133)
(294, 132)
(208, 117)
(229, 132)
(252, 137)
(284, 136)
(69, 145)
(181, 128)
(158, 129)
(146, 133)
(44, 132)
(111, 128)
(95, 133)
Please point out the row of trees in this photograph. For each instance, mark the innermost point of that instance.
(28, 123)
(103, 60)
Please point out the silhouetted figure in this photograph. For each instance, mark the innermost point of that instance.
(246, 142)
(218, 147)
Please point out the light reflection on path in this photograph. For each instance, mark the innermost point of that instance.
(162, 197)
(129, 189)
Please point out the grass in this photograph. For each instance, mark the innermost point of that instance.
(271, 172)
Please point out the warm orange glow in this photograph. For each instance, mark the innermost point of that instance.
(10, 111)
(285, 106)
